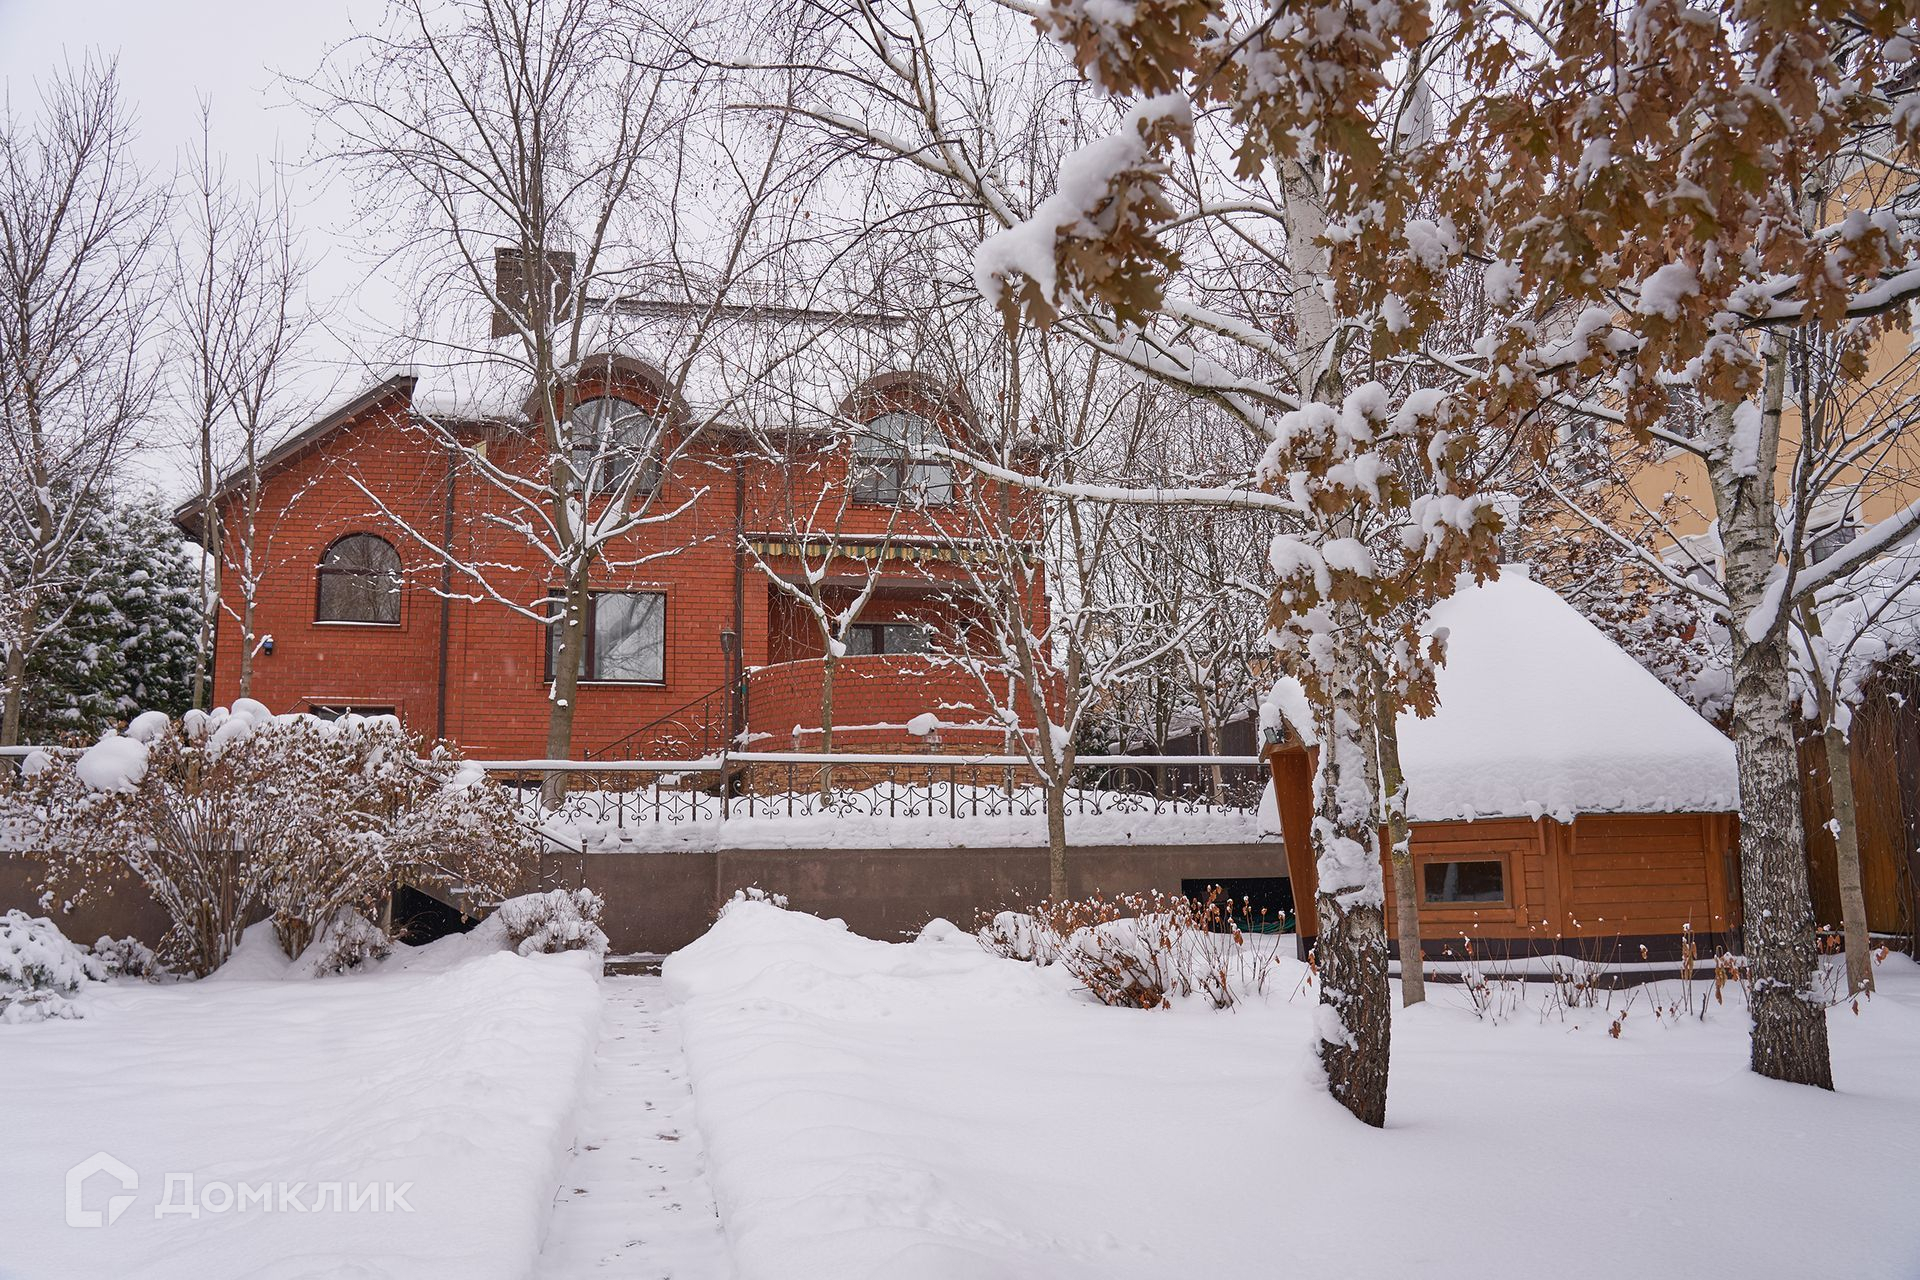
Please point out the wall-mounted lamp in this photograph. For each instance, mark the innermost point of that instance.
(266, 646)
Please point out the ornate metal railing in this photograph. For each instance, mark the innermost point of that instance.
(738, 786)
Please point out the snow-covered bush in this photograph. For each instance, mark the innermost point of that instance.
(753, 893)
(127, 958)
(347, 942)
(560, 920)
(39, 969)
(1142, 950)
(1020, 936)
(228, 815)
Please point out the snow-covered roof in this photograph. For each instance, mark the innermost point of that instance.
(773, 367)
(1541, 714)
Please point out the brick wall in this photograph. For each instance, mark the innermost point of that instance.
(494, 660)
(869, 691)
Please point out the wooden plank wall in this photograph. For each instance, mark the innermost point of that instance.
(1886, 785)
(1648, 873)
(1601, 877)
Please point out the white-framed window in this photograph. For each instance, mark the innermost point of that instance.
(610, 439)
(626, 638)
(893, 460)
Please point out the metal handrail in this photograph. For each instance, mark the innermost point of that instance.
(704, 700)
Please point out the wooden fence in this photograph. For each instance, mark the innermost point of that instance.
(1886, 783)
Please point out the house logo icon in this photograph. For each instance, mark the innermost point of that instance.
(98, 1162)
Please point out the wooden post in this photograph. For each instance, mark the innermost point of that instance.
(1292, 769)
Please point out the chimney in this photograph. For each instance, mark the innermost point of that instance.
(510, 287)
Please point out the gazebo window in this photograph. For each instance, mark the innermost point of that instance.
(1465, 883)
(611, 439)
(359, 581)
(893, 459)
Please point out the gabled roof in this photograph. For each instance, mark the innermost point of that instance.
(187, 514)
(781, 368)
(1541, 714)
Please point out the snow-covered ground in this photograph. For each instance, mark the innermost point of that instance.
(448, 1078)
(923, 1111)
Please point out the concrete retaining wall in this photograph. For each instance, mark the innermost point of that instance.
(662, 901)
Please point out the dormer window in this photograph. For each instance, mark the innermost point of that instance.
(894, 461)
(610, 439)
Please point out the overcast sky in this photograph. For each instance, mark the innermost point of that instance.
(171, 55)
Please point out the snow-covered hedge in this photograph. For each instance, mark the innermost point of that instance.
(1144, 950)
(40, 969)
(127, 958)
(228, 815)
(560, 920)
(349, 941)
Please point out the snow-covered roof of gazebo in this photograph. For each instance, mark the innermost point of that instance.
(1542, 715)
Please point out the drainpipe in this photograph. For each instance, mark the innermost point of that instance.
(446, 592)
(738, 674)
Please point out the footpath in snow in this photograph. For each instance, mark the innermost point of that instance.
(635, 1201)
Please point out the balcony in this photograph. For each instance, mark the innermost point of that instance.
(876, 697)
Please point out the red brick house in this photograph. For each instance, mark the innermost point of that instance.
(690, 644)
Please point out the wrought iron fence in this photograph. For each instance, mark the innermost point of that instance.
(776, 785)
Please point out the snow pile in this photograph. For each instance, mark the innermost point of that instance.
(446, 1075)
(115, 763)
(39, 969)
(1541, 714)
(924, 1111)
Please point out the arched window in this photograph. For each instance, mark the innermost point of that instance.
(893, 460)
(611, 438)
(359, 580)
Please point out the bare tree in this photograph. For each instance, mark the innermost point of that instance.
(78, 230)
(1057, 629)
(238, 318)
(559, 162)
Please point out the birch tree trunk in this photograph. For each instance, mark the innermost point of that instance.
(248, 642)
(1406, 889)
(1845, 826)
(566, 686)
(1355, 1018)
(1789, 1021)
(1846, 840)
